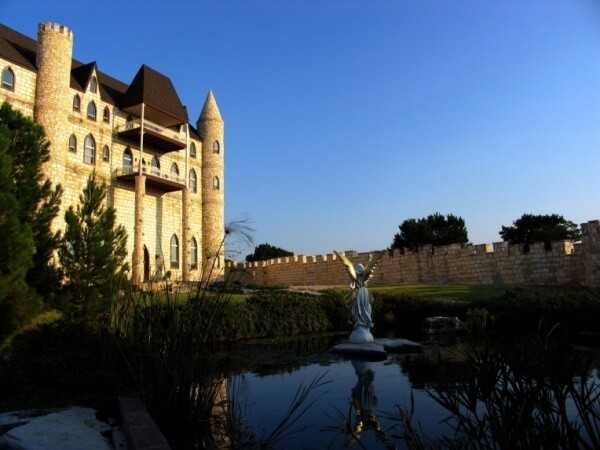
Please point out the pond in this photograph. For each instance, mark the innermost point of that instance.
(297, 395)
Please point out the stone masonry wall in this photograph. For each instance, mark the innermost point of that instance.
(162, 211)
(566, 263)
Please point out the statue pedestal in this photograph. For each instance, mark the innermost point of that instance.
(376, 350)
(361, 335)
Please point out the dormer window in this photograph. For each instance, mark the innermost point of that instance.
(106, 115)
(8, 79)
(91, 111)
(193, 150)
(93, 85)
(76, 103)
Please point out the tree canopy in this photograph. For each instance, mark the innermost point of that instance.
(435, 229)
(530, 228)
(267, 251)
(28, 205)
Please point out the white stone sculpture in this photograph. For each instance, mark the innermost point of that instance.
(361, 306)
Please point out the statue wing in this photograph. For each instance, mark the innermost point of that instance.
(372, 265)
(348, 264)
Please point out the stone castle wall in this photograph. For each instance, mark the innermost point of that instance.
(565, 263)
(47, 97)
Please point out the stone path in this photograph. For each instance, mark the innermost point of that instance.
(74, 428)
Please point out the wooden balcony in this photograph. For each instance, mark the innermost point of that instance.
(156, 136)
(154, 180)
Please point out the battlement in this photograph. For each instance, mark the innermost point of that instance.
(498, 262)
(53, 27)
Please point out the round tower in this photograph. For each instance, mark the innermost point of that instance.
(211, 129)
(52, 99)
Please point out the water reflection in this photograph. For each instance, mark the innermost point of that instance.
(534, 393)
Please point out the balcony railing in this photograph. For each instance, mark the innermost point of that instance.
(156, 136)
(154, 179)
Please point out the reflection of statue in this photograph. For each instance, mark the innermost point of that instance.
(364, 399)
(361, 307)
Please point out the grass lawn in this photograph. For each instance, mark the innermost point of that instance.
(441, 291)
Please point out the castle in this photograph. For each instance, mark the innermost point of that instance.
(165, 177)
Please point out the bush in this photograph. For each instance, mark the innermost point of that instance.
(519, 310)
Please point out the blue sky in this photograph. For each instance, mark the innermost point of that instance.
(344, 118)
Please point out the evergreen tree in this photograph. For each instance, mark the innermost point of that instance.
(267, 251)
(28, 204)
(17, 301)
(530, 228)
(435, 229)
(37, 201)
(92, 255)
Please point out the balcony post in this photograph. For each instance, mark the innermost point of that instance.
(137, 269)
(142, 140)
(137, 274)
(185, 214)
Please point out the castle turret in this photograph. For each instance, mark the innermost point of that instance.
(52, 99)
(211, 129)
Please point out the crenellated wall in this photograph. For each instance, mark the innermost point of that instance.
(566, 262)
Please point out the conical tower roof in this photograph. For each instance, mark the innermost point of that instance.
(210, 110)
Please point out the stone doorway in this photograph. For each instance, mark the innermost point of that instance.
(146, 264)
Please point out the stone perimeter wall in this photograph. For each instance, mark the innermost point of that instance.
(566, 263)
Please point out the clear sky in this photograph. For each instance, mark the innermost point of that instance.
(344, 118)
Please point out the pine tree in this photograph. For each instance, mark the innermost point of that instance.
(37, 201)
(17, 301)
(92, 255)
(28, 204)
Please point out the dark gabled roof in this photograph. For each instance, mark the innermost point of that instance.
(80, 76)
(194, 133)
(21, 50)
(17, 48)
(153, 88)
(156, 91)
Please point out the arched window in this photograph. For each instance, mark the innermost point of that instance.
(193, 181)
(174, 252)
(155, 166)
(91, 111)
(174, 171)
(94, 85)
(127, 159)
(193, 150)
(106, 115)
(216, 183)
(8, 79)
(77, 103)
(73, 143)
(106, 153)
(89, 150)
(216, 147)
(194, 255)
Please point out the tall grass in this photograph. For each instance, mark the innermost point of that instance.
(534, 394)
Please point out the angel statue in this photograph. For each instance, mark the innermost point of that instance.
(361, 307)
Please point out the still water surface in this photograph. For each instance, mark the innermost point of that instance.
(358, 404)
